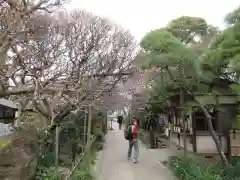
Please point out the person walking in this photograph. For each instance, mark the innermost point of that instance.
(133, 141)
(120, 121)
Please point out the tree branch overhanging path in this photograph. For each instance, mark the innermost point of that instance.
(60, 61)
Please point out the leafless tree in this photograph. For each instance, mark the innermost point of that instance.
(22, 22)
(99, 55)
(67, 63)
(57, 64)
(18, 22)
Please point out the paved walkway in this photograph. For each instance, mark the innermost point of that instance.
(113, 163)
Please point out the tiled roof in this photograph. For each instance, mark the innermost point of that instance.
(8, 103)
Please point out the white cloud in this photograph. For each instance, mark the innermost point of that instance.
(141, 16)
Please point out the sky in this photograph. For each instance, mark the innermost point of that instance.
(142, 16)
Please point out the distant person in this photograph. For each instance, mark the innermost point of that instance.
(169, 127)
(131, 134)
(120, 121)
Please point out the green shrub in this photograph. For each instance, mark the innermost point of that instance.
(45, 170)
(46, 158)
(99, 146)
(100, 137)
(99, 142)
(82, 175)
(84, 171)
(195, 169)
(44, 173)
(235, 160)
(233, 170)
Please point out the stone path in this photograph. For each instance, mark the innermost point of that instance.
(112, 163)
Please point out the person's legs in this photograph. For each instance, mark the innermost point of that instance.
(130, 149)
(136, 151)
(120, 126)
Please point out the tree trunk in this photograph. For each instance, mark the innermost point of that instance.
(212, 132)
(182, 93)
(152, 138)
(89, 123)
(85, 127)
(57, 145)
(215, 138)
(184, 123)
(209, 122)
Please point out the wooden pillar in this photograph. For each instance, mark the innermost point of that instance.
(85, 127)
(89, 123)
(56, 144)
(194, 132)
(106, 122)
(129, 117)
(228, 139)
